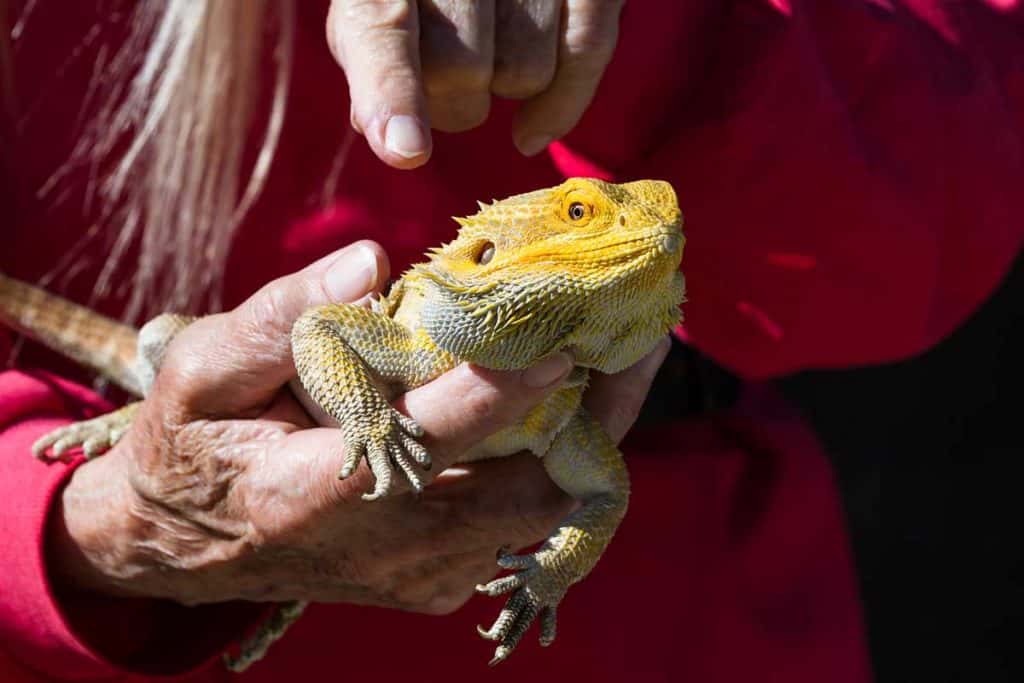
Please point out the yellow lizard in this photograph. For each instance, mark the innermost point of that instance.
(587, 267)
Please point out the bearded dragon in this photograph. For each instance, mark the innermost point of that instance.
(587, 267)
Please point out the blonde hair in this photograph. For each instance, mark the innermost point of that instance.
(171, 138)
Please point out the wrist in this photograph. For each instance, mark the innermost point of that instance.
(89, 531)
(95, 550)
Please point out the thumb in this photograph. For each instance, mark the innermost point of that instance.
(235, 362)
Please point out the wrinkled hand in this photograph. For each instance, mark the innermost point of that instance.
(412, 66)
(225, 488)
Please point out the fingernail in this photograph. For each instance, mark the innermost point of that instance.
(405, 137)
(533, 144)
(352, 275)
(550, 370)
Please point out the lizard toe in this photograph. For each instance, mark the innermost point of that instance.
(353, 454)
(377, 458)
(503, 585)
(399, 456)
(96, 444)
(416, 450)
(512, 623)
(548, 625)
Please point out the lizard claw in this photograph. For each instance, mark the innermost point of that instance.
(94, 436)
(535, 592)
(390, 441)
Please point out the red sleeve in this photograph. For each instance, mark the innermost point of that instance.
(66, 636)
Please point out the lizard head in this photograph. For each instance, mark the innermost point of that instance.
(586, 265)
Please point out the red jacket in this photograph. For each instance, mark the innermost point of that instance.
(850, 175)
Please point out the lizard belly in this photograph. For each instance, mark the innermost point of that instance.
(535, 431)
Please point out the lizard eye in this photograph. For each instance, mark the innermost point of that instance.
(485, 254)
(577, 211)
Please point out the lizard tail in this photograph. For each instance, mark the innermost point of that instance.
(93, 340)
(254, 648)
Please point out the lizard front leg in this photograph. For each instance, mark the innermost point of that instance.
(584, 463)
(343, 354)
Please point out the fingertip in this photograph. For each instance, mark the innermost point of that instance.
(469, 403)
(375, 253)
(359, 270)
(407, 141)
(532, 144)
(402, 141)
(548, 372)
(545, 118)
(377, 45)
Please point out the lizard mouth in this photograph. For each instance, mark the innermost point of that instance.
(664, 240)
(661, 241)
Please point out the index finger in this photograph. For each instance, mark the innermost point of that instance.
(457, 410)
(377, 44)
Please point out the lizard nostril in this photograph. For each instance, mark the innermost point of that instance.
(622, 221)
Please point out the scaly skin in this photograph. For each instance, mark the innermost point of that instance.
(588, 266)
(101, 344)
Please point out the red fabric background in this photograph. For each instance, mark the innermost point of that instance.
(850, 175)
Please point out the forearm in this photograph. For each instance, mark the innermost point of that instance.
(56, 611)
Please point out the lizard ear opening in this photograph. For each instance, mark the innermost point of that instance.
(484, 254)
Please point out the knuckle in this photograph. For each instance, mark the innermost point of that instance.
(268, 317)
(590, 44)
(361, 24)
(369, 572)
(482, 405)
(519, 79)
(457, 114)
(268, 305)
(588, 65)
(455, 77)
(182, 371)
(532, 526)
(375, 15)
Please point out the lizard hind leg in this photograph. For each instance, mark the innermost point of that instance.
(94, 436)
(586, 464)
(99, 434)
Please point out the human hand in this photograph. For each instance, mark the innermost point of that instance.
(412, 66)
(225, 489)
